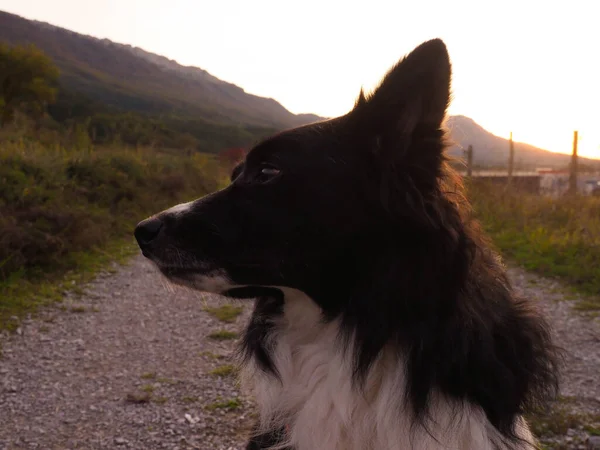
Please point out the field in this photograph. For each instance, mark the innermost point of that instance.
(66, 212)
(557, 238)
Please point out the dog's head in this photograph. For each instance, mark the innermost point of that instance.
(310, 202)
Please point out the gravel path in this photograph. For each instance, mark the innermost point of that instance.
(131, 365)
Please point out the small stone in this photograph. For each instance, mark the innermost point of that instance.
(593, 443)
(121, 441)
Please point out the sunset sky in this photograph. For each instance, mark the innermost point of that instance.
(528, 66)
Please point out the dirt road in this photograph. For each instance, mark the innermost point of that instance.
(131, 364)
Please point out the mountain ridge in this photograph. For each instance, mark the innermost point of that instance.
(129, 78)
(102, 69)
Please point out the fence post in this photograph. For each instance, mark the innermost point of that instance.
(511, 159)
(573, 171)
(470, 161)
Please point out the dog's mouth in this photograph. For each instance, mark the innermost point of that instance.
(204, 278)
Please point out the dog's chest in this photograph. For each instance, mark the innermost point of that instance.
(316, 401)
(312, 393)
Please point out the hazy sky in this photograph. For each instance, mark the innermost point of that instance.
(527, 66)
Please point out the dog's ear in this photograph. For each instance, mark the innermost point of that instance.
(401, 125)
(414, 95)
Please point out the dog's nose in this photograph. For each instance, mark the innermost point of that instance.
(147, 230)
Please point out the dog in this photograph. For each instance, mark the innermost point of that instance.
(383, 320)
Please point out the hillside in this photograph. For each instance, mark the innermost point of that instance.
(492, 151)
(131, 79)
(100, 77)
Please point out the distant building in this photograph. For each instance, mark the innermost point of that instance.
(556, 182)
(544, 181)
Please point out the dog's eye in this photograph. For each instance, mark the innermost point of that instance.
(267, 173)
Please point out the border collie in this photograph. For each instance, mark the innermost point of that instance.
(383, 320)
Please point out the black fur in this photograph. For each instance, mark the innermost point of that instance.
(363, 214)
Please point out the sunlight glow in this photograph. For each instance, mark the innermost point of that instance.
(528, 67)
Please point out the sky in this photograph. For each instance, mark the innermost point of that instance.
(528, 66)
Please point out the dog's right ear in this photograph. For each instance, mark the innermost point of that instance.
(414, 95)
(401, 125)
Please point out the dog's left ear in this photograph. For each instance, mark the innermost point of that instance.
(414, 95)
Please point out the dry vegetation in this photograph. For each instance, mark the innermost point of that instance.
(66, 211)
(555, 237)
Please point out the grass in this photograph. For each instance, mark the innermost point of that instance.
(230, 404)
(148, 388)
(67, 214)
(554, 237)
(225, 371)
(148, 376)
(223, 335)
(225, 313)
(559, 418)
(210, 355)
(21, 295)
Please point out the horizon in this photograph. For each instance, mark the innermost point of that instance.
(541, 102)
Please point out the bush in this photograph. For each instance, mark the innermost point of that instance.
(54, 202)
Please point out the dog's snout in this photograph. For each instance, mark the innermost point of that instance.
(147, 230)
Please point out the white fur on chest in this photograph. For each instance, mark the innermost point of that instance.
(322, 410)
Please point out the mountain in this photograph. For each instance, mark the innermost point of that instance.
(131, 79)
(490, 150)
(186, 100)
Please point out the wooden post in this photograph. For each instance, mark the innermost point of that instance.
(470, 161)
(573, 172)
(511, 159)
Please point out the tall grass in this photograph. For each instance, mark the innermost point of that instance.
(57, 205)
(558, 237)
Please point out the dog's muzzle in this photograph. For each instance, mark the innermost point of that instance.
(147, 231)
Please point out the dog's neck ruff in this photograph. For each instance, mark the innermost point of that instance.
(321, 408)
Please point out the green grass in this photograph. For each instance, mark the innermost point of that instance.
(20, 294)
(230, 404)
(559, 418)
(225, 313)
(210, 355)
(148, 388)
(67, 214)
(223, 335)
(225, 371)
(557, 238)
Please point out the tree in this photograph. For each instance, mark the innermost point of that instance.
(28, 81)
